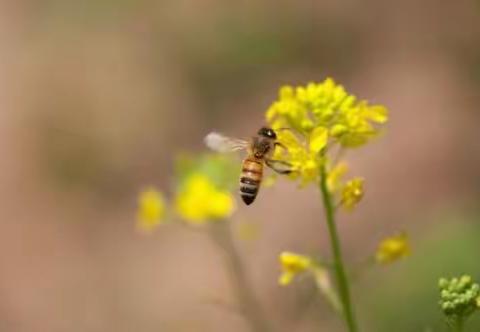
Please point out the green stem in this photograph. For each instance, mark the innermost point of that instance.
(458, 325)
(342, 281)
(243, 289)
(322, 281)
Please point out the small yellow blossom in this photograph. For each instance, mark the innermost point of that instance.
(334, 178)
(292, 265)
(392, 249)
(304, 157)
(151, 210)
(200, 201)
(352, 193)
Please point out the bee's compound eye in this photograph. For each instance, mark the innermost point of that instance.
(262, 131)
(271, 133)
(267, 132)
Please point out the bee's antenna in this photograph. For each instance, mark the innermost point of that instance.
(278, 129)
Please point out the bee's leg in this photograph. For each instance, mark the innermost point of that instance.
(279, 166)
(280, 145)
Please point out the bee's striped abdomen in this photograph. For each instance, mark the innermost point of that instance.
(250, 179)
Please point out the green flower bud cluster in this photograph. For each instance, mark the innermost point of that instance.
(459, 297)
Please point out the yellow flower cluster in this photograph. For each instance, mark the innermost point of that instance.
(202, 194)
(317, 117)
(200, 201)
(151, 210)
(292, 265)
(348, 121)
(392, 249)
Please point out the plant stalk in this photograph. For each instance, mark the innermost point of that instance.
(341, 276)
(457, 325)
(242, 287)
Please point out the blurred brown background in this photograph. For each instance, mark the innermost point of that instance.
(98, 96)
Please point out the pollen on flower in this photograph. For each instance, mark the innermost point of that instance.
(151, 210)
(200, 201)
(292, 265)
(392, 249)
(352, 193)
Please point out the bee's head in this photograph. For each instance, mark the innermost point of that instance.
(267, 132)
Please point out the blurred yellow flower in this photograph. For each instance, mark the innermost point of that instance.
(352, 193)
(200, 201)
(392, 249)
(334, 178)
(292, 265)
(151, 210)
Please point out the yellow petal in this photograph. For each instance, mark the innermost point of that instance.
(285, 278)
(286, 92)
(151, 210)
(294, 263)
(318, 139)
(376, 113)
(334, 178)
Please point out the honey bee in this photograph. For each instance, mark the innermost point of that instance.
(259, 149)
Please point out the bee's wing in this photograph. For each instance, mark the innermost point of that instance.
(221, 143)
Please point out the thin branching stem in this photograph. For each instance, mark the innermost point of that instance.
(341, 276)
(249, 306)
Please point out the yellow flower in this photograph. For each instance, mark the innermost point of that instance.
(200, 201)
(392, 249)
(304, 157)
(334, 178)
(356, 124)
(352, 193)
(349, 122)
(288, 111)
(292, 265)
(151, 210)
(318, 116)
